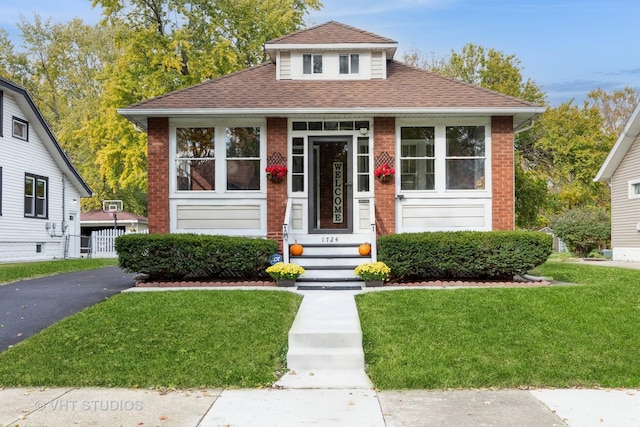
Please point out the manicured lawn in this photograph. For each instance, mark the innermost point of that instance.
(566, 336)
(161, 339)
(27, 270)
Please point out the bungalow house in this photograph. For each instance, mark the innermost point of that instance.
(336, 110)
(621, 170)
(40, 190)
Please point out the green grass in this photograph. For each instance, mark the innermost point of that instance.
(161, 339)
(540, 337)
(28, 270)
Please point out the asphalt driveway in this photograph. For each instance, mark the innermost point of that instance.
(29, 306)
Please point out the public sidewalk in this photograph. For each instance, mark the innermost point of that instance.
(274, 407)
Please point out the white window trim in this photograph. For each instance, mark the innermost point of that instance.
(440, 190)
(632, 194)
(220, 153)
(25, 126)
(350, 71)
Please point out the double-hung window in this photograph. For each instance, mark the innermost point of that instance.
(350, 64)
(195, 159)
(465, 157)
(36, 196)
(243, 158)
(312, 63)
(417, 158)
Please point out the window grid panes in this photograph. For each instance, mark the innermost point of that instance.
(243, 158)
(417, 158)
(312, 64)
(297, 165)
(35, 196)
(465, 157)
(350, 64)
(363, 164)
(195, 159)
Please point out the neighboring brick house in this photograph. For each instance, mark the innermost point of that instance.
(332, 106)
(621, 170)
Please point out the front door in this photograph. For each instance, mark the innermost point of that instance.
(330, 198)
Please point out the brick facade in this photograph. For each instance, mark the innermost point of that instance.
(276, 192)
(158, 174)
(502, 172)
(385, 141)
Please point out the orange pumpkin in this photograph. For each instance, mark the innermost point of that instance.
(364, 249)
(296, 249)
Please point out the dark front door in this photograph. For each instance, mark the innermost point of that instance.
(330, 198)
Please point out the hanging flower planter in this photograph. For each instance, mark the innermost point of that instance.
(276, 173)
(384, 173)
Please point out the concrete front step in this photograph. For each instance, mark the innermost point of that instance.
(345, 339)
(310, 358)
(312, 273)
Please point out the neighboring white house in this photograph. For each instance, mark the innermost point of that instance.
(40, 190)
(621, 170)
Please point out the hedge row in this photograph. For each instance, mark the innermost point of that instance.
(180, 256)
(463, 254)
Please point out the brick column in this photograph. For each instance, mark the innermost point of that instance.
(502, 172)
(385, 140)
(158, 174)
(276, 192)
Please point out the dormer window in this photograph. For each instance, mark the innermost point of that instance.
(350, 64)
(311, 64)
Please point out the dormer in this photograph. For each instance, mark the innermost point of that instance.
(331, 51)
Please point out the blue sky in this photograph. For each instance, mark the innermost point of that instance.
(568, 47)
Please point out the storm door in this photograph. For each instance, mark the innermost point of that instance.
(330, 185)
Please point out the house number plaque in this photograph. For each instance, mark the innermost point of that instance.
(337, 193)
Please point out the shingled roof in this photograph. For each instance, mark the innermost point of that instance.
(406, 92)
(331, 32)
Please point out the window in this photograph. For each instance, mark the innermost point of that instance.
(195, 159)
(634, 189)
(465, 157)
(311, 64)
(20, 129)
(417, 158)
(363, 164)
(243, 158)
(36, 196)
(297, 163)
(350, 64)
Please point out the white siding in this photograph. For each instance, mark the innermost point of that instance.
(297, 220)
(444, 215)
(19, 235)
(625, 211)
(378, 66)
(330, 66)
(285, 66)
(241, 217)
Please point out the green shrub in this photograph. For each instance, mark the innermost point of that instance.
(463, 254)
(180, 256)
(583, 230)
